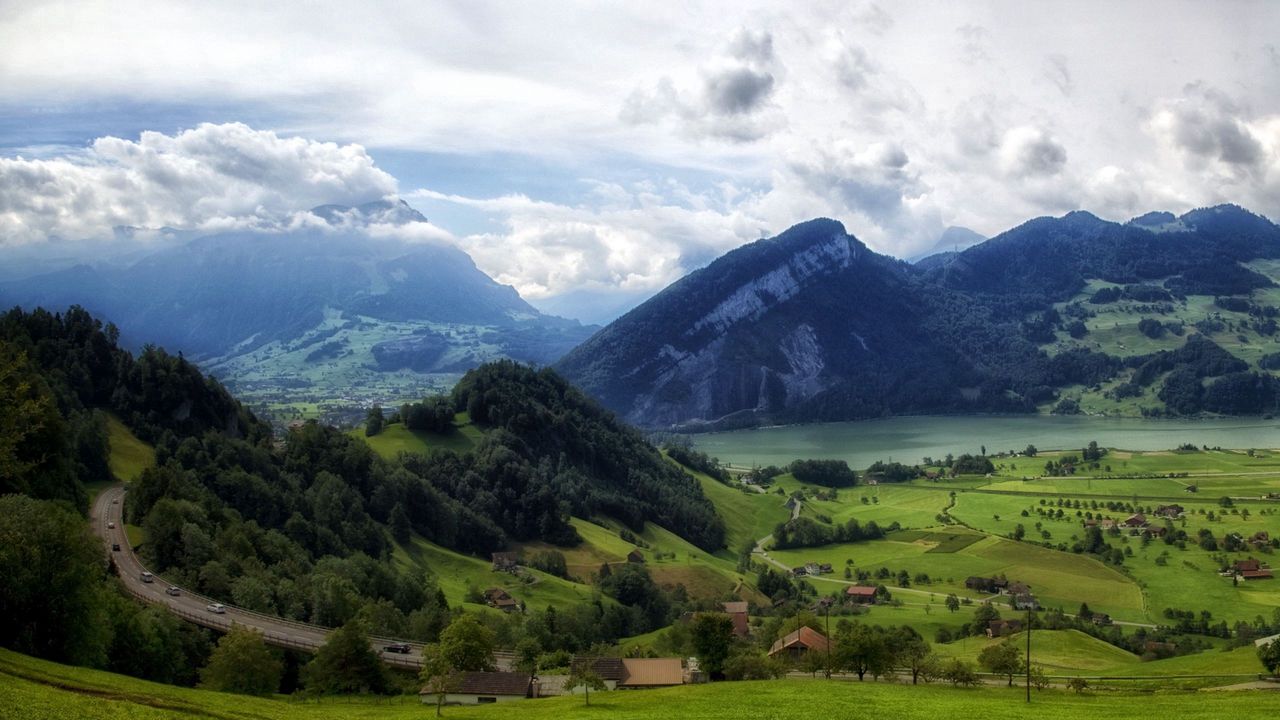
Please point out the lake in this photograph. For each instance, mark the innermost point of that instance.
(908, 439)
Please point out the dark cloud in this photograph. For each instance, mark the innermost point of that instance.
(1030, 152)
(738, 90)
(1207, 124)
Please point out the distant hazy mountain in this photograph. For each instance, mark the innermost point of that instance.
(288, 304)
(811, 325)
(951, 241)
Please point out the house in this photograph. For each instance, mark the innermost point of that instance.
(1252, 569)
(1108, 524)
(987, 585)
(1019, 588)
(501, 599)
(825, 568)
(799, 571)
(813, 568)
(1260, 538)
(478, 688)
(1101, 619)
(1002, 628)
(737, 612)
(1173, 512)
(796, 644)
(1091, 522)
(1135, 521)
(734, 607)
(505, 561)
(1156, 531)
(610, 670)
(861, 594)
(635, 556)
(651, 673)
(1025, 601)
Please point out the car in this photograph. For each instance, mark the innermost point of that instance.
(217, 608)
(116, 501)
(115, 547)
(173, 590)
(402, 648)
(147, 577)
(111, 526)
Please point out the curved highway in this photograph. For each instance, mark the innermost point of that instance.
(107, 520)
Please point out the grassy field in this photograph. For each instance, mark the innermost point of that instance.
(748, 515)
(129, 455)
(1061, 652)
(38, 690)
(396, 438)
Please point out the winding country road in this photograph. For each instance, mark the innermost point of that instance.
(108, 509)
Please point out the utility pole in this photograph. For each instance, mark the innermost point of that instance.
(1028, 651)
(827, 603)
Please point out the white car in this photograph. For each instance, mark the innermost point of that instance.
(147, 577)
(217, 608)
(111, 526)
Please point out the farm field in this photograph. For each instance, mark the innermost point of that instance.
(1061, 652)
(34, 690)
(396, 438)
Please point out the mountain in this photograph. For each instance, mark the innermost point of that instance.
(328, 307)
(950, 242)
(812, 325)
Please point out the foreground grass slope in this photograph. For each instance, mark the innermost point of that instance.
(36, 690)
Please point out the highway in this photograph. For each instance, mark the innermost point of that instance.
(108, 509)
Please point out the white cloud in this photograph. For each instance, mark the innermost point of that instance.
(1030, 151)
(213, 177)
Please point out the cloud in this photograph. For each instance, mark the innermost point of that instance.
(1029, 151)
(727, 100)
(1207, 126)
(212, 177)
(1058, 72)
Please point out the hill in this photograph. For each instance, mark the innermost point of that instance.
(813, 326)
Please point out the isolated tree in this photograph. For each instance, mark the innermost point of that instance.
(1269, 654)
(953, 602)
(958, 672)
(911, 652)
(583, 675)
(374, 421)
(438, 676)
(1002, 659)
(712, 636)
(1039, 678)
(345, 664)
(467, 644)
(242, 663)
(982, 616)
(863, 650)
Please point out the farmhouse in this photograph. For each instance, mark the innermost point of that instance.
(1252, 569)
(1260, 539)
(1002, 628)
(505, 561)
(651, 673)
(1156, 531)
(798, 643)
(1107, 524)
(1136, 521)
(474, 688)
(1173, 512)
(1101, 619)
(635, 556)
(861, 594)
(500, 599)
(610, 670)
(737, 611)
(988, 585)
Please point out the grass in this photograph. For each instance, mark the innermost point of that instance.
(396, 438)
(748, 515)
(129, 455)
(37, 690)
(1061, 652)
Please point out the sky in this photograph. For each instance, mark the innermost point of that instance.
(591, 153)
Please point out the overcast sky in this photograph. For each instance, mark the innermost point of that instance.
(606, 148)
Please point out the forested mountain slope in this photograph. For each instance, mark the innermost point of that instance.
(812, 325)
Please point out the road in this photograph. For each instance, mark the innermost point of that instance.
(107, 510)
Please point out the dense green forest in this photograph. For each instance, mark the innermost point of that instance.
(301, 526)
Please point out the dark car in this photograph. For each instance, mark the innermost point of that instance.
(115, 547)
(401, 648)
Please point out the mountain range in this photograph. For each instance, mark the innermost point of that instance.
(325, 307)
(812, 325)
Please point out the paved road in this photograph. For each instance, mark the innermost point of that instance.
(108, 510)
